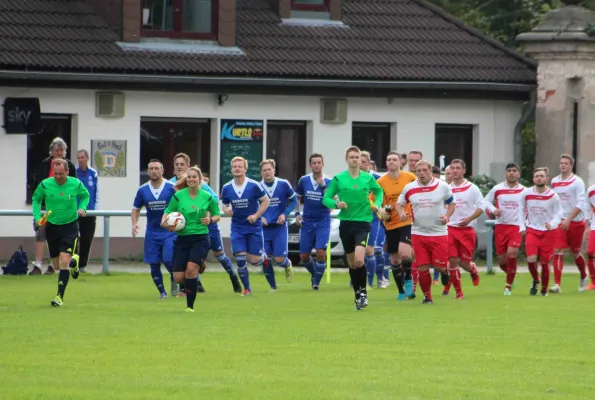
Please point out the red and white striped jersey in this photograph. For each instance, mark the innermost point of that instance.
(572, 195)
(427, 205)
(540, 208)
(590, 205)
(506, 199)
(468, 199)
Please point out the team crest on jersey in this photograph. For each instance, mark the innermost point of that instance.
(61, 193)
(355, 186)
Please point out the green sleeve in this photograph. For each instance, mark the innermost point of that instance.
(331, 191)
(37, 199)
(378, 193)
(214, 207)
(173, 205)
(83, 195)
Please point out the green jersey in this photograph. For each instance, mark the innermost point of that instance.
(193, 209)
(356, 193)
(61, 200)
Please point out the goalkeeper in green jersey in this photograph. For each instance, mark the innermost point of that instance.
(60, 194)
(353, 187)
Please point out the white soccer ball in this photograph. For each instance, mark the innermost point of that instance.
(176, 220)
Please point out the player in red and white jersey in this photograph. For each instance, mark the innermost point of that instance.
(469, 205)
(569, 235)
(590, 211)
(540, 214)
(429, 234)
(502, 203)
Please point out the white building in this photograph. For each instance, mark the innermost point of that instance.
(425, 82)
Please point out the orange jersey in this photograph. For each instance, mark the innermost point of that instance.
(392, 190)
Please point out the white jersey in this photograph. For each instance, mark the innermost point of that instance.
(506, 199)
(427, 205)
(572, 195)
(468, 199)
(590, 205)
(539, 209)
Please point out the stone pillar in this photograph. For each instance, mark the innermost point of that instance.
(131, 20)
(227, 23)
(564, 47)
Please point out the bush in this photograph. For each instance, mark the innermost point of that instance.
(484, 183)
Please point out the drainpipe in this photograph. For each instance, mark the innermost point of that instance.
(518, 129)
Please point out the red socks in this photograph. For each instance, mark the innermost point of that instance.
(580, 264)
(502, 267)
(533, 271)
(455, 279)
(510, 271)
(558, 267)
(592, 267)
(425, 282)
(545, 277)
(415, 276)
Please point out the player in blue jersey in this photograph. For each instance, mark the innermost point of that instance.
(274, 220)
(315, 219)
(159, 242)
(181, 165)
(245, 202)
(382, 257)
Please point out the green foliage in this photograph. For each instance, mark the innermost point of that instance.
(528, 151)
(484, 183)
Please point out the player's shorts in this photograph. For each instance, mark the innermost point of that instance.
(314, 235)
(461, 243)
(373, 236)
(159, 247)
(215, 238)
(396, 236)
(190, 248)
(507, 236)
(249, 242)
(572, 238)
(61, 238)
(540, 243)
(430, 250)
(39, 232)
(353, 234)
(381, 237)
(275, 240)
(591, 243)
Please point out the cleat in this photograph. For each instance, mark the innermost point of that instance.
(50, 270)
(507, 292)
(544, 294)
(74, 266)
(555, 289)
(401, 297)
(444, 278)
(199, 287)
(445, 292)
(436, 281)
(357, 305)
(413, 296)
(427, 300)
(316, 288)
(363, 299)
(591, 286)
(246, 292)
(202, 267)
(163, 296)
(83, 270)
(188, 309)
(289, 272)
(534, 288)
(36, 270)
(475, 277)
(57, 302)
(383, 284)
(235, 282)
(174, 289)
(273, 290)
(409, 288)
(459, 296)
(582, 284)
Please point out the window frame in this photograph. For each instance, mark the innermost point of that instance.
(380, 159)
(310, 7)
(178, 22)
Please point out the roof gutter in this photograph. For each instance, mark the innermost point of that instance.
(262, 81)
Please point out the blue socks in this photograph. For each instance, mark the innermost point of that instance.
(379, 264)
(269, 272)
(226, 264)
(436, 274)
(310, 266)
(243, 272)
(370, 268)
(319, 269)
(157, 277)
(170, 268)
(284, 263)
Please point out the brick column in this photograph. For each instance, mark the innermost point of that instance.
(131, 21)
(227, 23)
(336, 10)
(284, 9)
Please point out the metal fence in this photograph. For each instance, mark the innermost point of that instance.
(126, 213)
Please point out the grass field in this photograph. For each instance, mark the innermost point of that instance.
(114, 339)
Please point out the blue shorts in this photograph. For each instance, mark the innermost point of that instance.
(381, 237)
(247, 242)
(275, 240)
(314, 235)
(215, 238)
(159, 247)
(375, 226)
(190, 248)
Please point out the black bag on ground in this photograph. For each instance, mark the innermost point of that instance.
(18, 263)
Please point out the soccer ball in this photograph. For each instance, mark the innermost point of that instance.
(176, 220)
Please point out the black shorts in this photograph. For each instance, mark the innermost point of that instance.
(354, 233)
(61, 238)
(396, 236)
(190, 248)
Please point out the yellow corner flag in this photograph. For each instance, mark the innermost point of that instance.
(328, 261)
(44, 219)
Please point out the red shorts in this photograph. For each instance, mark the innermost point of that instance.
(572, 238)
(591, 244)
(461, 243)
(540, 243)
(507, 236)
(430, 250)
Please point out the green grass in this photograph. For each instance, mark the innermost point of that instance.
(114, 339)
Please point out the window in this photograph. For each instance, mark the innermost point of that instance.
(162, 139)
(38, 146)
(310, 5)
(373, 137)
(286, 144)
(454, 141)
(180, 19)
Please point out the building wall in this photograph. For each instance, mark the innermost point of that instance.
(414, 119)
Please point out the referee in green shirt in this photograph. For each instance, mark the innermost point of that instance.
(60, 194)
(353, 187)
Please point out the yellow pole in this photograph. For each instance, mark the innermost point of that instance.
(328, 261)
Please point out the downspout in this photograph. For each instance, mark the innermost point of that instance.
(518, 129)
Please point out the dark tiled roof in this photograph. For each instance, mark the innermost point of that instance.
(385, 40)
